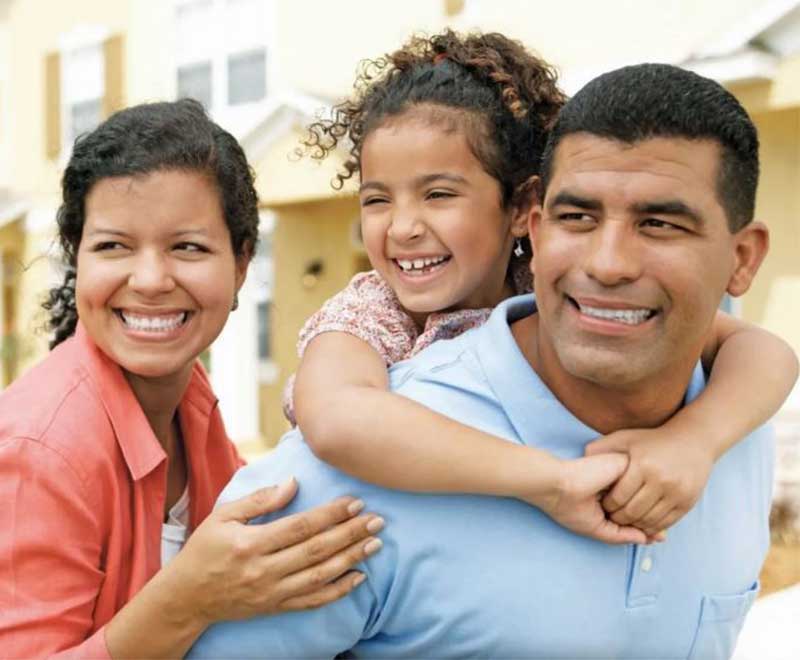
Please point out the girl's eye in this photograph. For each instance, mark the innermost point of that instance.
(440, 194)
(191, 247)
(371, 201)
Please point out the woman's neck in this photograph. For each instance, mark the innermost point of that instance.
(159, 399)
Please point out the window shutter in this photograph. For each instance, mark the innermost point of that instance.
(114, 56)
(52, 110)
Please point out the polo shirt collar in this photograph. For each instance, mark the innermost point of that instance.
(548, 424)
(137, 442)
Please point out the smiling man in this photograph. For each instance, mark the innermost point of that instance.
(646, 221)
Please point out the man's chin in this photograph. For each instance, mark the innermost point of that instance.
(608, 369)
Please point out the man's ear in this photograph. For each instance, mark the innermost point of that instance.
(751, 244)
(534, 219)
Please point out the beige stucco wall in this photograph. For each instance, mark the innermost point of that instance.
(774, 299)
(303, 233)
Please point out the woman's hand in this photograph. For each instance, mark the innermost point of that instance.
(231, 570)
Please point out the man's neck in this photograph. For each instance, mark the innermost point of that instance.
(603, 407)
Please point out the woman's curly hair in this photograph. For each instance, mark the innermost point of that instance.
(137, 141)
(507, 96)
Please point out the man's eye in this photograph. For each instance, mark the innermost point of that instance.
(574, 217)
(655, 223)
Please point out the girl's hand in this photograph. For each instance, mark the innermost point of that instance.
(664, 479)
(231, 570)
(575, 502)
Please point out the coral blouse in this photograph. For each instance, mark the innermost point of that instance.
(82, 490)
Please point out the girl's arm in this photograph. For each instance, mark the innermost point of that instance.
(353, 422)
(752, 373)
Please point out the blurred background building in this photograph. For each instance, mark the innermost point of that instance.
(265, 68)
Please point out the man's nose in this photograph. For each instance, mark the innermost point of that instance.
(407, 223)
(614, 255)
(151, 273)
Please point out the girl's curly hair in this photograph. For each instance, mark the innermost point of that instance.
(137, 141)
(507, 99)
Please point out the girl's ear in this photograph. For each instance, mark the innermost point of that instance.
(526, 197)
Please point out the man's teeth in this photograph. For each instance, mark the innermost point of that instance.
(419, 264)
(627, 316)
(153, 323)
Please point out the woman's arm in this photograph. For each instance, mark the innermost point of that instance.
(751, 373)
(51, 564)
(353, 422)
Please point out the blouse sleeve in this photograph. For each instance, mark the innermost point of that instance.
(368, 309)
(50, 556)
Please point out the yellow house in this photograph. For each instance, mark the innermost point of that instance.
(264, 68)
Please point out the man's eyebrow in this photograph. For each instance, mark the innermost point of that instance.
(566, 198)
(670, 207)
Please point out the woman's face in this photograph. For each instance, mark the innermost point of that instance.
(432, 219)
(156, 270)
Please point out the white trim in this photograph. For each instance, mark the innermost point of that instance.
(746, 65)
(82, 36)
(12, 210)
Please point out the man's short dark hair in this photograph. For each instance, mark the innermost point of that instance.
(646, 101)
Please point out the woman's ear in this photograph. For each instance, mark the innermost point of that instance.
(242, 264)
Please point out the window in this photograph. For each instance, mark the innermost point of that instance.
(222, 67)
(84, 84)
(83, 73)
(262, 274)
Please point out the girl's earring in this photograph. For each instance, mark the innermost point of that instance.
(519, 250)
(235, 305)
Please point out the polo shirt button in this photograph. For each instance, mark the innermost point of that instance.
(647, 564)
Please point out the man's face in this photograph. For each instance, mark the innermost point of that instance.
(632, 254)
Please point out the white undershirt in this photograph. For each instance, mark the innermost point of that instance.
(173, 532)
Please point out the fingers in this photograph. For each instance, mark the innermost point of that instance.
(316, 577)
(667, 521)
(604, 445)
(259, 502)
(636, 508)
(622, 492)
(650, 522)
(609, 532)
(300, 527)
(345, 536)
(326, 594)
(590, 475)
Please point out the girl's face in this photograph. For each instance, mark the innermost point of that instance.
(156, 271)
(432, 219)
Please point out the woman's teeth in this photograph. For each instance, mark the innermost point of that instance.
(153, 323)
(416, 266)
(627, 316)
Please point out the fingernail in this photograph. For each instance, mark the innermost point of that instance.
(373, 546)
(355, 507)
(359, 579)
(286, 484)
(375, 525)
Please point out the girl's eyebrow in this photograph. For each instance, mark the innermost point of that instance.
(375, 185)
(436, 176)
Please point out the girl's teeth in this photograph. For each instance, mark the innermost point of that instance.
(627, 316)
(419, 264)
(153, 323)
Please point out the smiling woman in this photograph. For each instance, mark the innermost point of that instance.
(112, 450)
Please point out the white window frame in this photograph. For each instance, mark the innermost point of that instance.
(263, 284)
(218, 54)
(81, 38)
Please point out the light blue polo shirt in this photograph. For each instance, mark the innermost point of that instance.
(469, 576)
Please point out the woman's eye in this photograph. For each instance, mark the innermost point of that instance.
(105, 246)
(440, 194)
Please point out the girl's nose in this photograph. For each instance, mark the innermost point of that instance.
(406, 225)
